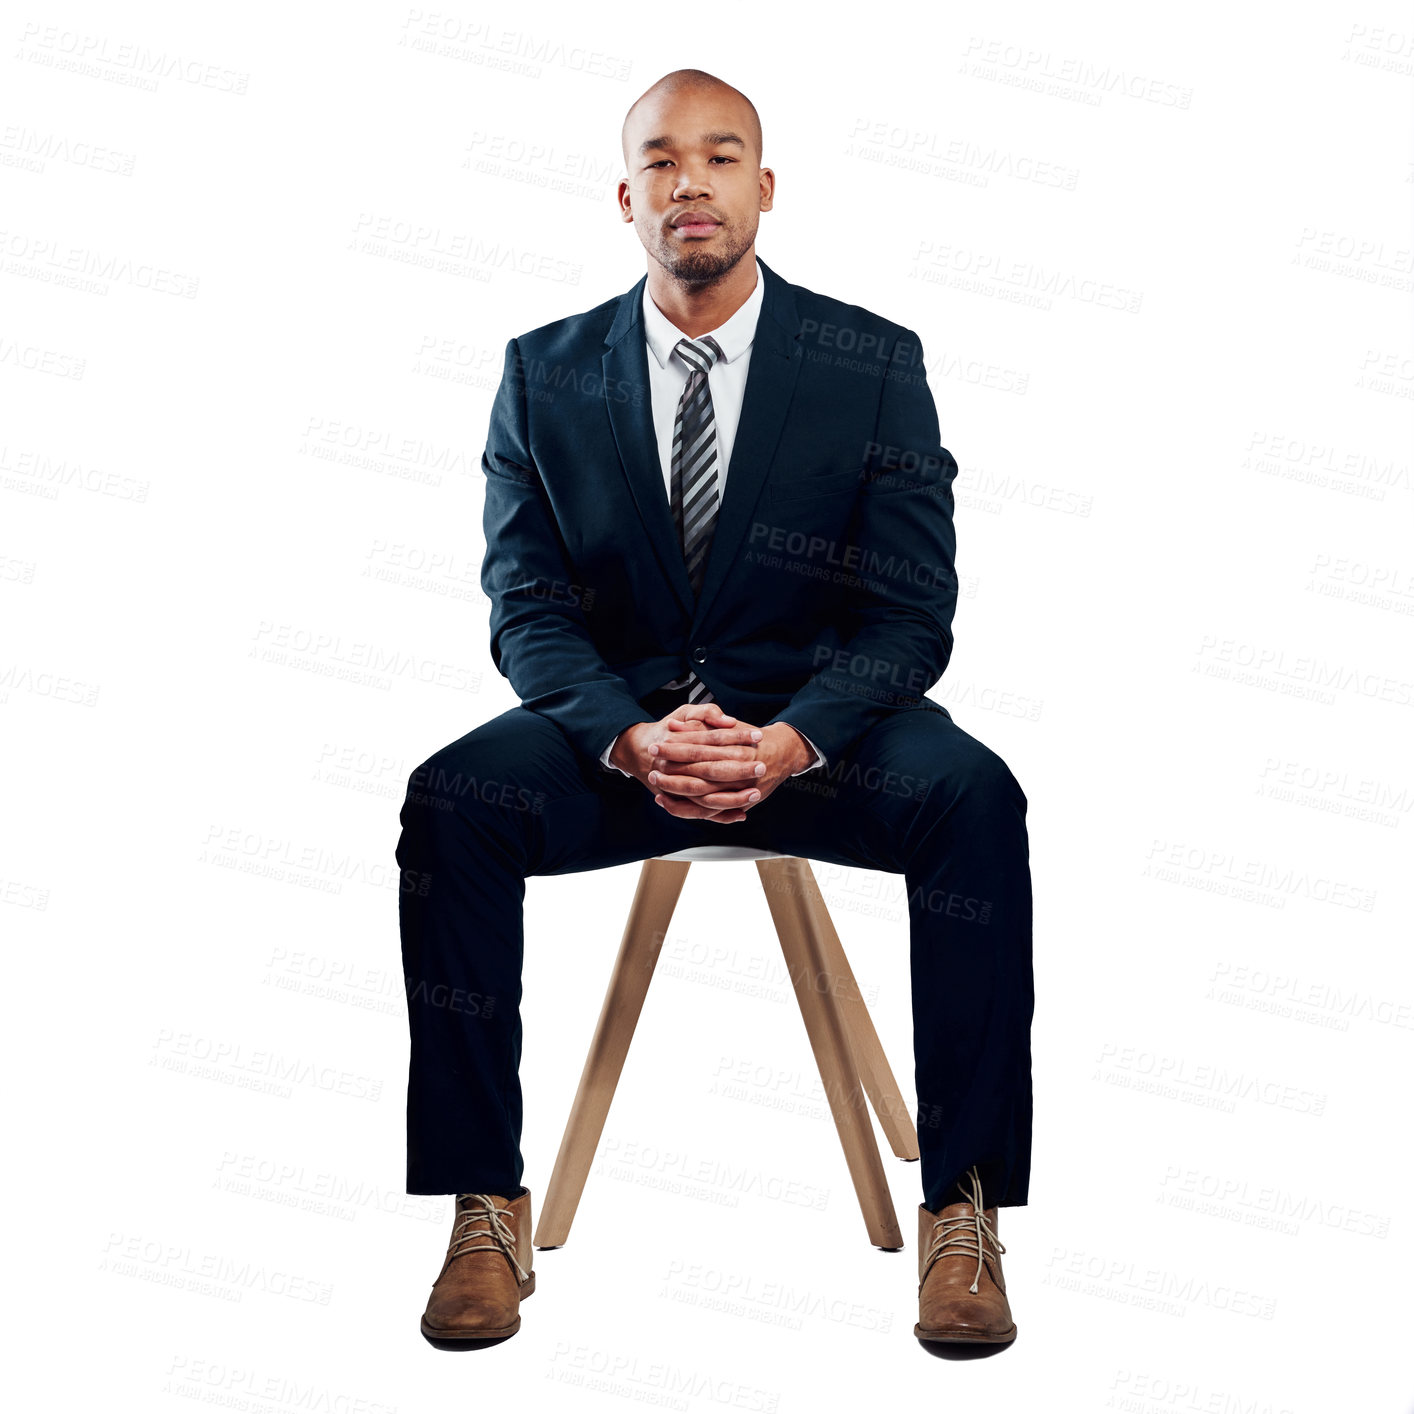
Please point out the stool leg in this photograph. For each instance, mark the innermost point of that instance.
(877, 1075)
(660, 882)
(797, 926)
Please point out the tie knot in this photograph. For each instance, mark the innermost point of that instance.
(699, 354)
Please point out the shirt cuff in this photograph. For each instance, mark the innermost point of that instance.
(604, 758)
(816, 763)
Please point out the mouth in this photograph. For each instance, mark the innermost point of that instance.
(695, 223)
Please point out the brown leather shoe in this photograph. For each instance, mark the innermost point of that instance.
(478, 1292)
(961, 1289)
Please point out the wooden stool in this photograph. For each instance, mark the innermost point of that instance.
(842, 1036)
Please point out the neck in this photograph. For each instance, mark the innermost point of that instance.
(698, 309)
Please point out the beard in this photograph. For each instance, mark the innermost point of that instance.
(697, 266)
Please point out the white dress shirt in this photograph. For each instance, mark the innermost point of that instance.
(726, 380)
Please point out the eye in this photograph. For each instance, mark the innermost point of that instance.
(663, 161)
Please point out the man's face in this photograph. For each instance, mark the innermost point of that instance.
(696, 191)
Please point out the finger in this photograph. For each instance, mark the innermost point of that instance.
(744, 756)
(715, 712)
(679, 783)
(685, 809)
(699, 711)
(705, 787)
(729, 799)
(703, 792)
(747, 773)
(748, 736)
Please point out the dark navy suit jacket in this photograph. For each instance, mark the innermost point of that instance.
(830, 585)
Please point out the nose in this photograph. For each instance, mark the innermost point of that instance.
(692, 182)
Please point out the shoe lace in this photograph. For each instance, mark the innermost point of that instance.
(965, 1233)
(481, 1209)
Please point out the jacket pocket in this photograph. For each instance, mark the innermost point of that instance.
(829, 483)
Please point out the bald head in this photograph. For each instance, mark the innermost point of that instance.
(651, 105)
(694, 187)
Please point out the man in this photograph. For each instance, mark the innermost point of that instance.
(720, 558)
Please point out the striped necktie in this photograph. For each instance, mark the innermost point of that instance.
(694, 473)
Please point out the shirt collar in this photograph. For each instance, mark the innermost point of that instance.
(734, 337)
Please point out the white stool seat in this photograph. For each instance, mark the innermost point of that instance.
(709, 852)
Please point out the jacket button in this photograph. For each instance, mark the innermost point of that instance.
(699, 654)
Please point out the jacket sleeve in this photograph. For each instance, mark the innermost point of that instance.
(903, 591)
(540, 636)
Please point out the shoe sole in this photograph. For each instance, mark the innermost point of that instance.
(455, 1338)
(965, 1337)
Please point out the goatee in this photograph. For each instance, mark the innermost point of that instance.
(696, 268)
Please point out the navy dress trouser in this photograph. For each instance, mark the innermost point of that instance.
(916, 795)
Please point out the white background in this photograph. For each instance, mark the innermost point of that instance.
(259, 267)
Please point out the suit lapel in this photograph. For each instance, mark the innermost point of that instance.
(625, 366)
(770, 383)
(776, 358)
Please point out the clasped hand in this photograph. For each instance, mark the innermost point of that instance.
(702, 764)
